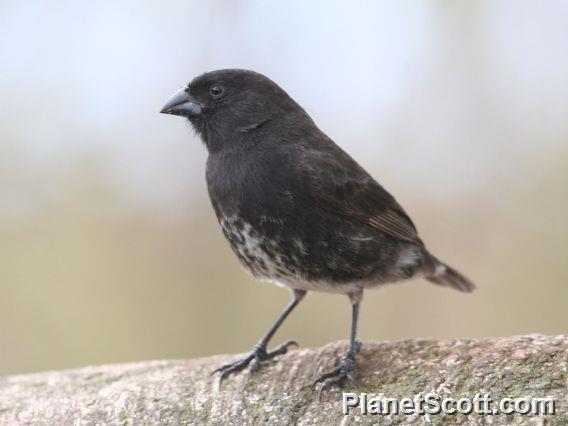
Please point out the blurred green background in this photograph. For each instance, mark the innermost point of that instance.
(109, 250)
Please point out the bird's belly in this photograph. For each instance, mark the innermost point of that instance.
(265, 256)
(288, 259)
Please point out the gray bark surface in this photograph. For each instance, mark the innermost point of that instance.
(180, 392)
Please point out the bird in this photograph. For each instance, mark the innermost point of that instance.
(296, 209)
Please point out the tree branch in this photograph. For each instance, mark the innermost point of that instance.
(183, 392)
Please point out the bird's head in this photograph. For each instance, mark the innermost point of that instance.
(226, 106)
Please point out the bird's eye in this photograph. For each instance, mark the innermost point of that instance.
(216, 90)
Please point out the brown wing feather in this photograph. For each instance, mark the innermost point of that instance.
(343, 187)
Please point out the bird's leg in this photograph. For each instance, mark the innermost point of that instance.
(347, 368)
(259, 352)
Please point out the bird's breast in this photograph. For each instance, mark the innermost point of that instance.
(261, 247)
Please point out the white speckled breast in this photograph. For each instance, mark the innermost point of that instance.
(260, 256)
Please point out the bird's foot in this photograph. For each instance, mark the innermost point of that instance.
(347, 369)
(255, 357)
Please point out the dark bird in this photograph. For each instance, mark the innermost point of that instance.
(298, 210)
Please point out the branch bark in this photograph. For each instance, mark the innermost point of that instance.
(183, 392)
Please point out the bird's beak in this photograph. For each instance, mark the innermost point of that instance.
(181, 103)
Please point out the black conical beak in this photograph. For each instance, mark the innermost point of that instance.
(182, 103)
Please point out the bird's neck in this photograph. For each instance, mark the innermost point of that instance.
(262, 133)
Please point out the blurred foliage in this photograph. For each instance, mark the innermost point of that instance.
(109, 250)
(90, 279)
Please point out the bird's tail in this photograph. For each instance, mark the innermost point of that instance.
(447, 276)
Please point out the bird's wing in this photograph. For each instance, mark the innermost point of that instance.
(339, 185)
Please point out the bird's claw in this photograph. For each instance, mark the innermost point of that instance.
(281, 349)
(347, 369)
(257, 355)
(233, 367)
